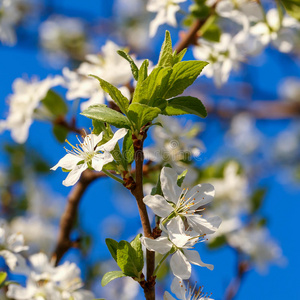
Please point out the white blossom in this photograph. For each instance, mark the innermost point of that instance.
(184, 292)
(10, 247)
(257, 243)
(22, 104)
(290, 89)
(176, 238)
(88, 154)
(81, 85)
(222, 56)
(166, 11)
(45, 281)
(183, 202)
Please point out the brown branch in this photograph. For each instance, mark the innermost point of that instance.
(68, 218)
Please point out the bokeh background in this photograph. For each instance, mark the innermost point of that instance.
(246, 122)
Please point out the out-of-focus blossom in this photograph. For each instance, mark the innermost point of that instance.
(181, 240)
(258, 245)
(184, 292)
(290, 89)
(282, 33)
(10, 15)
(63, 36)
(22, 104)
(166, 11)
(183, 202)
(174, 143)
(81, 85)
(39, 233)
(222, 56)
(11, 246)
(243, 134)
(45, 281)
(88, 154)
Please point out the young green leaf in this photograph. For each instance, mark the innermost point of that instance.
(137, 246)
(112, 246)
(185, 105)
(154, 86)
(126, 259)
(181, 177)
(114, 93)
(128, 150)
(143, 74)
(110, 276)
(292, 8)
(157, 189)
(60, 132)
(55, 104)
(166, 52)
(103, 113)
(178, 57)
(257, 199)
(3, 276)
(134, 68)
(183, 75)
(98, 127)
(141, 114)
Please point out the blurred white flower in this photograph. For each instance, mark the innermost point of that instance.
(222, 57)
(10, 247)
(257, 243)
(184, 292)
(290, 89)
(282, 33)
(10, 15)
(88, 154)
(81, 85)
(176, 237)
(166, 11)
(22, 104)
(45, 281)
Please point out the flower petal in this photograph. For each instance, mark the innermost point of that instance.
(110, 145)
(168, 180)
(68, 162)
(74, 175)
(194, 258)
(100, 160)
(202, 225)
(180, 266)
(202, 193)
(167, 296)
(178, 288)
(159, 205)
(161, 245)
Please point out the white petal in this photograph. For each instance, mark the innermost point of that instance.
(178, 288)
(180, 266)
(161, 245)
(68, 162)
(176, 232)
(194, 258)
(168, 180)
(159, 205)
(100, 160)
(171, 12)
(155, 23)
(74, 175)
(167, 296)
(110, 145)
(83, 295)
(202, 225)
(203, 194)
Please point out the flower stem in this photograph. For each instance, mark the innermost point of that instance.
(113, 176)
(161, 261)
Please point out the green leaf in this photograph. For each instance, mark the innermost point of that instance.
(110, 276)
(137, 246)
(141, 114)
(60, 132)
(114, 93)
(154, 86)
(134, 68)
(213, 33)
(292, 8)
(185, 105)
(181, 177)
(183, 75)
(112, 246)
(157, 189)
(103, 113)
(166, 52)
(3, 276)
(178, 57)
(126, 259)
(98, 127)
(128, 149)
(55, 104)
(143, 74)
(257, 199)
(218, 242)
